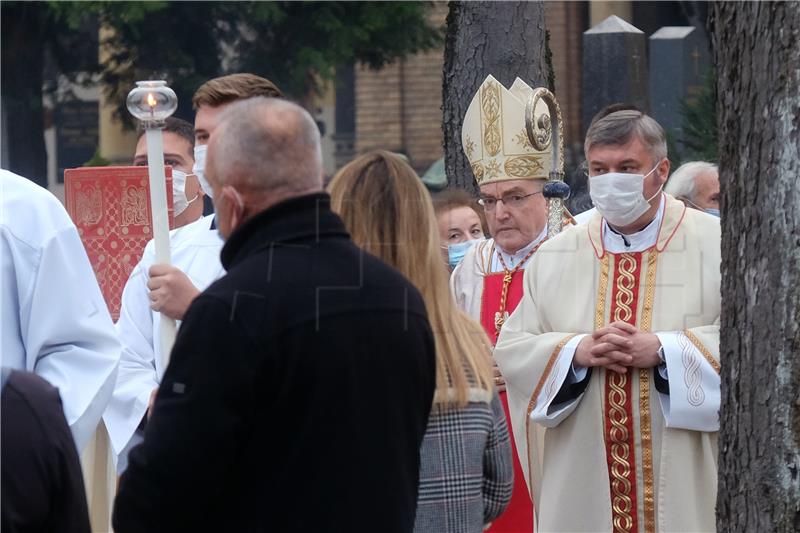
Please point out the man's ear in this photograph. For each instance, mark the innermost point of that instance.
(663, 170)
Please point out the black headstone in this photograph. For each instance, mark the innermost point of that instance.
(614, 67)
(76, 134)
(679, 63)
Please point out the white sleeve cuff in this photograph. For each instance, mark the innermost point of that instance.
(694, 394)
(563, 372)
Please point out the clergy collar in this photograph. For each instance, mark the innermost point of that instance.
(512, 260)
(619, 243)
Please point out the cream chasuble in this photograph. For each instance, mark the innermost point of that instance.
(621, 456)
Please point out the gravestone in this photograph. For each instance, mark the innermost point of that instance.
(76, 134)
(614, 67)
(679, 64)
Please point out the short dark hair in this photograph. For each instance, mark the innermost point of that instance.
(613, 108)
(619, 127)
(226, 89)
(179, 127)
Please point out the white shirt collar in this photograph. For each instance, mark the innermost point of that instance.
(635, 242)
(512, 260)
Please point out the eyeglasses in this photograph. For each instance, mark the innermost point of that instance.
(510, 200)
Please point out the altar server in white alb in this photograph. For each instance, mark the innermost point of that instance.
(612, 357)
(53, 319)
(169, 289)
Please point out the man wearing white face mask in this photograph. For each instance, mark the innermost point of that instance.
(612, 357)
(178, 139)
(170, 289)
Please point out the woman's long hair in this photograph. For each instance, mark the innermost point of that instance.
(388, 212)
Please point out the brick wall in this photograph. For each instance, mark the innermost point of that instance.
(399, 107)
(566, 21)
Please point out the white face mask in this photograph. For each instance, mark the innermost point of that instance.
(199, 168)
(179, 201)
(619, 197)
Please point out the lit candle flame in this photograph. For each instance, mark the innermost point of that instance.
(151, 100)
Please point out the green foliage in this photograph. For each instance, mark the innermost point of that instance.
(297, 45)
(97, 160)
(700, 134)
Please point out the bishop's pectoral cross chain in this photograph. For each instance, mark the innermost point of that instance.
(501, 316)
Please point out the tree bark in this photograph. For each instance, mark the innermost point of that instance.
(757, 56)
(23, 36)
(504, 39)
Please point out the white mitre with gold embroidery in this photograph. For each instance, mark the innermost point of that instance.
(494, 138)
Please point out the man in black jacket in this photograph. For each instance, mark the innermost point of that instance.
(300, 383)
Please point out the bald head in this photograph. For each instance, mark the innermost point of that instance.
(266, 145)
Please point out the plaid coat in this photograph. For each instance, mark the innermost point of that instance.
(466, 472)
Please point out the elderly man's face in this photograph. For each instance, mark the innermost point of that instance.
(515, 226)
(707, 190)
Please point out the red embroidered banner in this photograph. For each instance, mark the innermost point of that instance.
(111, 208)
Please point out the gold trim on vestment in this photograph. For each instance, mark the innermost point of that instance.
(547, 369)
(702, 349)
(620, 452)
(626, 282)
(623, 460)
(644, 399)
(600, 310)
(532, 404)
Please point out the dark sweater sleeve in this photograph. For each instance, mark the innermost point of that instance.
(200, 416)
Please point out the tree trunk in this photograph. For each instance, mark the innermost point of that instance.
(757, 56)
(504, 39)
(23, 36)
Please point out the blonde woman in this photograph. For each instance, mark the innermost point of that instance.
(465, 464)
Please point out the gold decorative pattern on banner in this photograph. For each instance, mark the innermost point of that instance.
(524, 166)
(703, 350)
(602, 288)
(644, 400)
(490, 103)
(625, 285)
(620, 452)
(134, 207)
(89, 206)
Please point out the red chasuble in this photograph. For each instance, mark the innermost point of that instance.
(518, 517)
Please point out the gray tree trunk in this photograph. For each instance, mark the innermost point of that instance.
(504, 39)
(757, 56)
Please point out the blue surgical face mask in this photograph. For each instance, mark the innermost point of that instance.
(712, 211)
(456, 252)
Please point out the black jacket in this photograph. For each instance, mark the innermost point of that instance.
(297, 394)
(42, 488)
